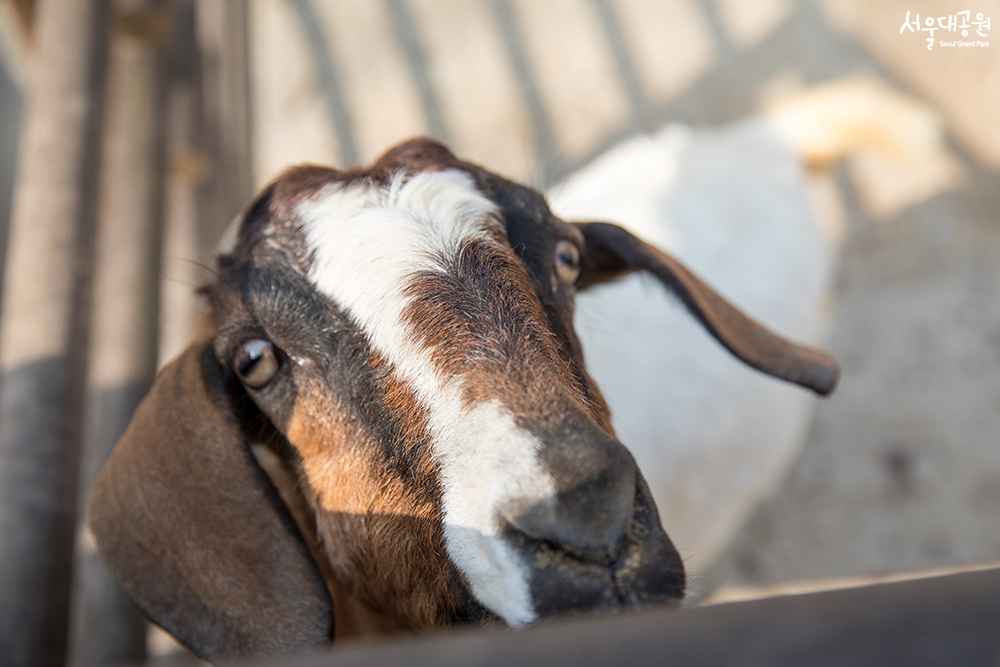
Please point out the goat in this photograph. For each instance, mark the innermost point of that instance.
(400, 339)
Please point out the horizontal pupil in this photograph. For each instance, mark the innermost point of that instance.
(248, 365)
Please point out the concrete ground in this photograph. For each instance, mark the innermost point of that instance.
(901, 469)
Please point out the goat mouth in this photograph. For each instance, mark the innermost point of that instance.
(644, 570)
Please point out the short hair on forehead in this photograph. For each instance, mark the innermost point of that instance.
(274, 212)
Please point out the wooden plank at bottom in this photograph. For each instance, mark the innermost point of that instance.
(952, 620)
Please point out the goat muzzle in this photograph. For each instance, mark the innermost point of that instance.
(597, 544)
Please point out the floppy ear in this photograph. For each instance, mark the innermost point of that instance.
(611, 252)
(193, 529)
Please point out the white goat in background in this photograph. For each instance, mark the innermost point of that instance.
(737, 205)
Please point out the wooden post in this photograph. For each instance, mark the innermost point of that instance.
(184, 267)
(211, 170)
(43, 332)
(108, 629)
(223, 29)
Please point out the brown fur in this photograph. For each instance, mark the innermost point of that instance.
(353, 617)
(382, 538)
(485, 322)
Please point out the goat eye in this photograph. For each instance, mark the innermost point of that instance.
(567, 262)
(255, 362)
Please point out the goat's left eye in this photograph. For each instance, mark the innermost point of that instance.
(255, 362)
(567, 262)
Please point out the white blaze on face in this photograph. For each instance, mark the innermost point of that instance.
(368, 242)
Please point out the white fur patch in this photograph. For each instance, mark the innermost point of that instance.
(368, 242)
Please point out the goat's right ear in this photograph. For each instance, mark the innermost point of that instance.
(611, 251)
(195, 532)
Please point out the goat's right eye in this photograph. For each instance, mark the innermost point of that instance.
(255, 362)
(567, 262)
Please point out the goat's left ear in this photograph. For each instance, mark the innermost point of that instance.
(611, 252)
(194, 530)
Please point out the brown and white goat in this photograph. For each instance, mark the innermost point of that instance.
(401, 337)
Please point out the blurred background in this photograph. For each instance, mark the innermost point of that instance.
(186, 107)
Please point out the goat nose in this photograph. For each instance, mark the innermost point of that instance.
(595, 478)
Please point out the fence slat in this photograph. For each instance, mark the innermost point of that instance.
(44, 329)
(125, 315)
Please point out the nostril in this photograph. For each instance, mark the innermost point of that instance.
(589, 517)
